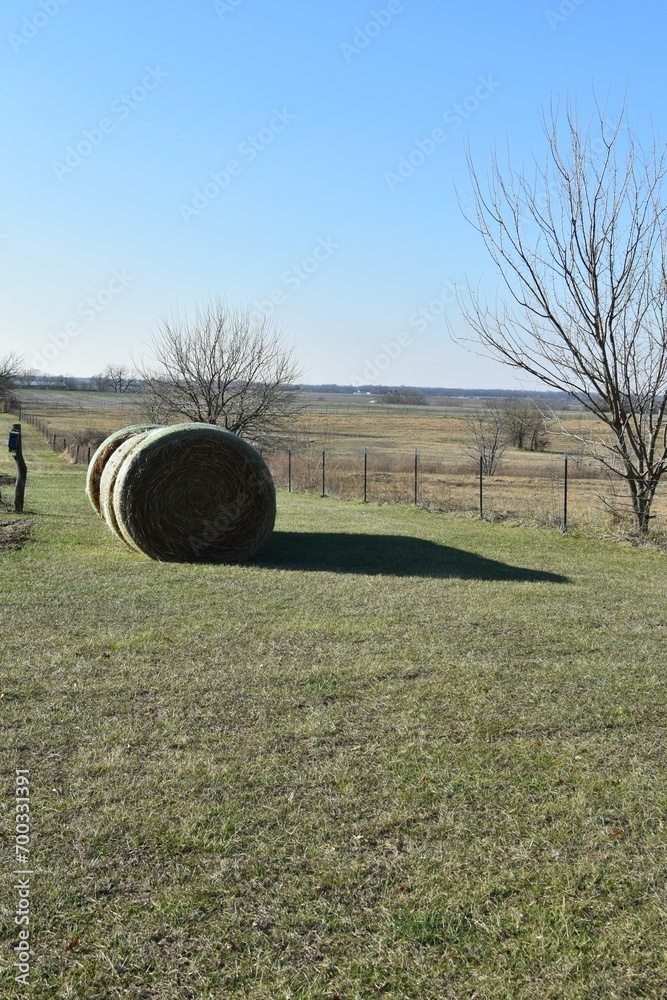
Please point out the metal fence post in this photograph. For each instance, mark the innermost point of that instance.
(481, 478)
(324, 492)
(365, 475)
(565, 495)
(289, 470)
(416, 474)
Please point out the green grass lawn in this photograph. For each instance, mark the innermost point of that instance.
(399, 755)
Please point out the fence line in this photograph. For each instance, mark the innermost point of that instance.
(57, 442)
(322, 472)
(319, 472)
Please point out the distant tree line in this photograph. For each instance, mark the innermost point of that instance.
(384, 390)
(121, 378)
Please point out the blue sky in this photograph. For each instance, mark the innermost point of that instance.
(159, 154)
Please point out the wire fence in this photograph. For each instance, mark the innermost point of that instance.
(59, 442)
(566, 491)
(373, 475)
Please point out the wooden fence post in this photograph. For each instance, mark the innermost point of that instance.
(22, 470)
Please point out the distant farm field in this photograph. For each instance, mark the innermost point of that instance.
(399, 754)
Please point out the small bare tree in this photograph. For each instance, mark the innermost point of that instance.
(117, 378)
(582, 250)
(523, 424)
(487, 437)
(11, 367)
(222, 366)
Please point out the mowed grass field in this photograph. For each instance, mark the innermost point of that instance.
(399, 754)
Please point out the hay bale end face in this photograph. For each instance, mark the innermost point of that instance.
(102, 456)
(108, 483)
(190, 492)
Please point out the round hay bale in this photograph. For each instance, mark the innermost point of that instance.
(102, 456)
(194, 492)
(108, 482)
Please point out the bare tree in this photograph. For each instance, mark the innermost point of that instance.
(101, 382)
(487, 438)
(114, 378)
(66, 381)
(222, 366)
(523, 424)
(26, 377)
(11, 367)
(582, 251)
(119, 377)
(152, 409)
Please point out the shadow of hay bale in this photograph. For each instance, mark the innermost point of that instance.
(390, 555)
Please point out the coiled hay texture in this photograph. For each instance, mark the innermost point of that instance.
(102, 456)
(108, 483)
(193, 492)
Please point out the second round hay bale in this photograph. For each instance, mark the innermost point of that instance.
(108, 478)
(194, 492)
(102, 456)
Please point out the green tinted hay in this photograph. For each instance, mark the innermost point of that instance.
(102, 456)
(193, 492)
(108, 482)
